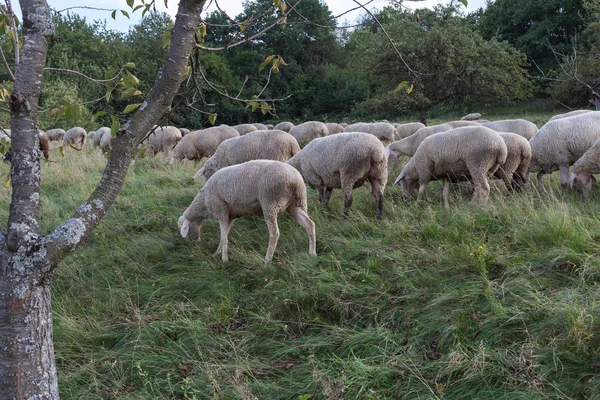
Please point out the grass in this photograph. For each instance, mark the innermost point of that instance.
(494, 301)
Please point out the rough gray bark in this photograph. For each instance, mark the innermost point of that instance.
(27, 260)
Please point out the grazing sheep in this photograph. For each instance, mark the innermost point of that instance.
(408, 146)
(44, 144)
(245, 128)
(257, 145)
(75, 138)
(569, 114)
(269, 126)
(184, 131)
(308, 131)
(105, 141)
(344, 160)
(164, 138)
(55, 134)
(405, 130)
(467, 153)
(560, 143)
(333, 128)
(584, 168)
(260, 127)
(383, 131)
(283, 126)
(203, 143)
(519, 126)
(471, 117)
(258, 187)
(97, 136)
(515, 171)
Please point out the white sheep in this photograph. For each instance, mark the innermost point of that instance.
(409, 145)
(308, 131)
(97, 136)
(344, 160)
(105, 140)
(260, 127)
(471, 117)
(584, 168)
(258, 145)
(383, 131)
(333, 128)
(245, 128)
(199, 144)
(560, 143)
(468, 153)
(75, 138)
(258, 187)
(569, 114)
(164, 138)
(283, 126)
(515, 171)
(405, 130)
(519, 126)
(56, 134)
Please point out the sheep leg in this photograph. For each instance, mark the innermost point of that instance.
(327, 195)
(347, 188)
(564, 179)
(421, 195)
(481, 186)
(540, 184)
(304, 220)
(225, 225)
(271, 220)
(378, 195)
(445, 193)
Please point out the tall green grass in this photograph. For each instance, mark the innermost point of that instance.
(493, 301)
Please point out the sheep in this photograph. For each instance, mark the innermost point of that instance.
(283, 126)
(245, 128)
(184, 131)
(405, 130)
(258, 187)
(384, 131)
(519, 126)
(164, 138)
(334, 128)
(308, 131)
(44, 144)
(343, 125)
(258, 145)
(569, 114)
(75, 138)
(560, 143)
(55, 134)
(203, 143)
(344, 160)
(269, 126)
(408, 146)
(515, 171)
(97, 136)
(260, 127)
(588, 164)
(471, 117)
(472, 152)
(105, 140)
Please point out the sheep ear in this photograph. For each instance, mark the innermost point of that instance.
(593, 179)
(399, 179)
(199, 173)
(185, 228)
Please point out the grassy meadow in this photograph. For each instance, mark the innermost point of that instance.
(493, 301)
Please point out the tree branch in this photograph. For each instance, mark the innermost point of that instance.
(12, 76)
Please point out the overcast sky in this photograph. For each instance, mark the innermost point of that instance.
(232, 7)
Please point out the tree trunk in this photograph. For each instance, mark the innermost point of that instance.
(27, 260)
(423, 117)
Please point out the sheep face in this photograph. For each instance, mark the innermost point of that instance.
(208, 169)
(534, 166)
(582, 182)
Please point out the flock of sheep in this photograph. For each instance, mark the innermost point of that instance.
(256, 169)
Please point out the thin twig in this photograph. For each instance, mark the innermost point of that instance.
(98, 81)
(12, 76)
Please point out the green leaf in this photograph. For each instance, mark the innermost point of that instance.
(110, 73)
(400, 86)
(61, 150)
(166, 40)
(129, 3)
(116, 125)
(146, 9)
(129, 65)
(212, 118)
(266, 62)
(131, 107)
(137, 8)
(7, 183)
(188, 70)
(100, 114)
(114, 15)
(464, 2)
(125, 13)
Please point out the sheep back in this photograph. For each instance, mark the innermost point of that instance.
(308, 131)
(521, 127)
